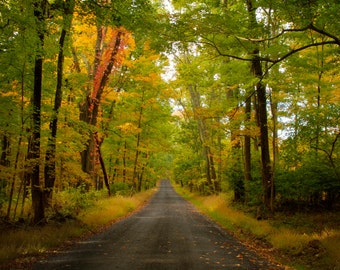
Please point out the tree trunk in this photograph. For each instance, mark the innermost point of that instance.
(4, 161)
(219, 164)
(257, 120)
(90, 108)
(115, 171)
(238, 181)
(124, 161)
(23, 184)
(102, 164)
(5, 151)
(273, 106)
(135, 172)
(235, 162)
(145, 164)
(27, 174)
(267, 180)
(247, 144)
(37, 192)
(13, 180)
(213, 172)
(16, 162)
(202, 129)
(50, 158)
(256, 68)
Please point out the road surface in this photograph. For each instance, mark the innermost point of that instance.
(168, 233)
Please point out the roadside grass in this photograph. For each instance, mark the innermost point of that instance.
(332, 245)
(23, 242)
(312, 245)
(113, 208)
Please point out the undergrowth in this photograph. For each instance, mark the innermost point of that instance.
(300, 247)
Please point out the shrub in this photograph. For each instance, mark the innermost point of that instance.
(120, 188)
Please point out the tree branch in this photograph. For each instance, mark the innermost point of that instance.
(334, 142)
(283, 31)
(213, 44)
(335, 40)
(322, 32)
(274, 62)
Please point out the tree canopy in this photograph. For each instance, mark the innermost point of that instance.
(217, 95)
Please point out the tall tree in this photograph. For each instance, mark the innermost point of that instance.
(40, 10)
(256, 68)
(110, 60)
(257, 40)
(50, 162)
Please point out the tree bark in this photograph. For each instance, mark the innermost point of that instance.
(202, 129)
(4, 161)
(102, 164)
(140, 177)
(267, 180)
(135, 172)
(124, 161)
(90, 108)
(247, 144)
(256, 68)
(37, 192)
(5, 151)
(50, 158)
(237, 179)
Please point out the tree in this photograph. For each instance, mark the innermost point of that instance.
(255, 97)
(140, 113)
(108, 61)
(256, 68)
(266, 35)
(201, 104)
(40, 10)
(50, 163)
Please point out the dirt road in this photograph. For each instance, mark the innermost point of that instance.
(168, 233)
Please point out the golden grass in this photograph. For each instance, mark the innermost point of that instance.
(216, 206)
(36, 240)
(330, 240)
(286, 239)
(112, 208)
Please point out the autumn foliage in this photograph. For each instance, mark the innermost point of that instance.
(117, 43)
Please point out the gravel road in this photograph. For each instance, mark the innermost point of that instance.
(168, 233)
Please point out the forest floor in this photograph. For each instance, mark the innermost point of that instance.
(296, 236)
(319, 249)
(323, 228)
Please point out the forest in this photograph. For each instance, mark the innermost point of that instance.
(217, 95)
